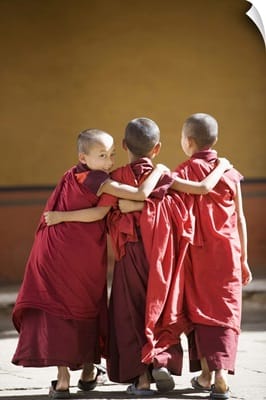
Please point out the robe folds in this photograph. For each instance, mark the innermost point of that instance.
(64, 285)
(213, 285)
(166, 232)
(146, 315)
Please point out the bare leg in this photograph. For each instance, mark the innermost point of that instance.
(144, 380)
(220, 378)
(63, 378)
(220, 381)
(89, 372)
(205, 378)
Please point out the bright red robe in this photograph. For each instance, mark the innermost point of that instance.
(65, 276)
(145, 312)
(213, 286)
(166, 232)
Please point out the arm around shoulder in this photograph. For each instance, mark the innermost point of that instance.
(128, 192)
(85, 215)
(207, 184)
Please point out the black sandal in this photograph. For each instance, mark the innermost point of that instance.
(58, 394)
(218, 395)
(86, 386)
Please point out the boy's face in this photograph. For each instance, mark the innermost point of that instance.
(101, 155)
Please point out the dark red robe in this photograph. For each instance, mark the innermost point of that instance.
(145, 319)
(213, 285)
(60, 310)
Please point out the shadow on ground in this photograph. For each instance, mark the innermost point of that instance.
(180, 394)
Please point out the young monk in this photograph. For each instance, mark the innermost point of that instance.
(216, 264)
(133, 291)
(60, 311)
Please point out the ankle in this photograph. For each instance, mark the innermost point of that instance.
(220, 381)
(207, 377)
(144, 381)
(89, 373)
(63, 373)
(205, 380)
(63, 378)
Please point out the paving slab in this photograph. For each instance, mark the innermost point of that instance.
(249, 382)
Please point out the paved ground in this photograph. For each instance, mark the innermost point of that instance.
(249, 383)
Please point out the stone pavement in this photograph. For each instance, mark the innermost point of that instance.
(249, 383)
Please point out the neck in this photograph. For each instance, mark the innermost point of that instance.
(132, 157)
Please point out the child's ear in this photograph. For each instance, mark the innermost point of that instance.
(191, 142)
(82, 158)
(124, 146)
(156, 149)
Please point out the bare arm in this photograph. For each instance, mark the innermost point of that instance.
(207, 184)
(184, 185)
(124, 191)
(112, 187)
(242, 230)
(126, 206)
(85, 215)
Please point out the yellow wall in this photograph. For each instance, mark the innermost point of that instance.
(67, 65)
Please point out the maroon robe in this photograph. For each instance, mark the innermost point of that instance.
(60, 310)
(213, 285)
(147, 279)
